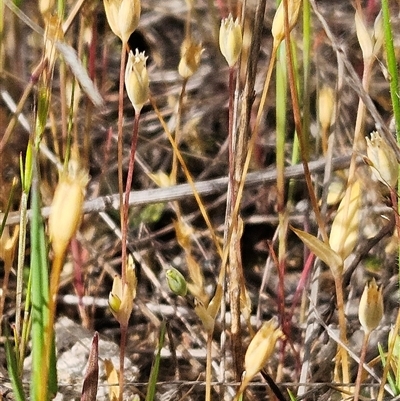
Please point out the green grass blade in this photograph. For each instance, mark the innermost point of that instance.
(151, 389)
(291, 396)
(40, 301)
(391, 65)
(12, 366)
(390, 379)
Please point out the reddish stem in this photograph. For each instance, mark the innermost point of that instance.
(128, 187)
(125, 212)
(120, 154)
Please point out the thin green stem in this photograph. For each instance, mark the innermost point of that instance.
(20, 266)
(391, 65)
(394, 79)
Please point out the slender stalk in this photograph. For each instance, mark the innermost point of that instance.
(232, 242)
(188, 177)
(393, 81)
(125, 213)
(299, 130)
(21, 258)
(392, 65)
(49, 332)
(231, 144)
(395, 206)
(120, 153)
(342, 353)
(14, 119)
(391, 350)
(360, 366)
(208, 366)
(122, 347)
(125, 207)
(174, 169)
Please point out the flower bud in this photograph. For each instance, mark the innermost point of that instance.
(66, 208)
(382, 160)
(370, 311)
(190, 58)
(363, 36)
(137, 80)
(8, 245)
(230, 39)
(345, 226)
(54, 32)
(176, 282)
(121, 297)
(260, 350)
(326, 104)
(378, 34)
(205, 317)
(45, 7)
(123, 17)
(278, 23)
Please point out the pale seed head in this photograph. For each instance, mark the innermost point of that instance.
(123, 17)
(260, 349)
(121, 296)
(45, 7)
(137, 80)
(190, 58)
(370, 311)
(382, 160)
(278, 23)
(205, 317)
(364, 37)
(326, 103)
(230, 39)
(345, 227)
(66, 208)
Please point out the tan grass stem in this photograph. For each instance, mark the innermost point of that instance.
(360, 366)
(188, 177)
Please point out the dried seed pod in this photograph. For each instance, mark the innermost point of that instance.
(190, 58)
(123, 17)
(66, 208)
(260, 350)
(326, 104)
(363, 36)
(382, 160)
(137, 80)
(45, 7)
(8, 245)
(230, 39)
(121, 297)
(370, 311)
(278, 24)
(345, 227)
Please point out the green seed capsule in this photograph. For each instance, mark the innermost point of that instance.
(176, 282)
